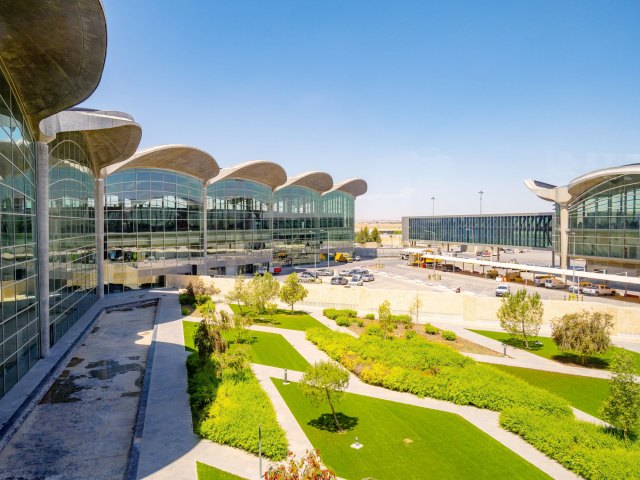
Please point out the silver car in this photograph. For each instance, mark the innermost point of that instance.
(356, 281)
(368, 277)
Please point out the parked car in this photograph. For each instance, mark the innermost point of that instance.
(502, 290)
(339, 281)
(575, 289)
(599, 289)
(345, 273)
(554, 283)
(450, 268)
(356, 280)
(368, 277)
(356, 258)
(539, 280)
(325, 272)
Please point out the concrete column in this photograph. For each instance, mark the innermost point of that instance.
(42, 242)
(99, 211)
(564, 236)
(205, 264)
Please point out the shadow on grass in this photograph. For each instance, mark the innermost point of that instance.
(265, 321)
(325, 422)
(573, 359)
(534, 345)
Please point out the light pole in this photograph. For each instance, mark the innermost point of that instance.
(315, 250)
(327, 246)
(481, 193)
(573, 265)
(433, 206)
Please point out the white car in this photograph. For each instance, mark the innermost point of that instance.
(502, 290)
(324, 272)
(356, 281)
(368, 277)
(599, 289)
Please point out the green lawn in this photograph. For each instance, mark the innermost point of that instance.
(549, 350)
(403, 441)
(281, 319)
(266, 348)
(205, 472)
(584, 393)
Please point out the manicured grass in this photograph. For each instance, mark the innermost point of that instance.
(205, 472)
(281, 319)
(549, 350)
(403, 441)
(265, 348)
(583, 393)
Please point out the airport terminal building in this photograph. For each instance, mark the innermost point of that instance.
(83, 213)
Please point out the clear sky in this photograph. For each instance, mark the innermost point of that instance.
(420, 98)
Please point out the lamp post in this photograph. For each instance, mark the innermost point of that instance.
(481, 193)
(433, 206)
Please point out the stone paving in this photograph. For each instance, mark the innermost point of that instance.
(82, 428)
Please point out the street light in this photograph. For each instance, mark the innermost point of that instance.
(481, 193)
(433, 206)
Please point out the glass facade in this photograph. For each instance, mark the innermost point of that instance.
(605, 221)
(153, 226)
(239, 232)
(527, 230)
(19, 322)
(72, 237)
(296, 226)
(337, 217)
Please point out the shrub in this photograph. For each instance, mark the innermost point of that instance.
(359, 322)
(344, 321)
(588, 450)
(333, 314)
(206, 307)
(330, 313)
(449, 335)
(405, 320)
(409, 334)
(433, 370)
(186, 299)
(201, 299)
(185, 311)
(373, 329)
(370, 316)
(431, 330)
(349, 313)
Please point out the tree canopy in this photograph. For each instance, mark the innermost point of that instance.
(622, 408)
(521, 315)
(325, 381)
(293, 291)
(584, 333)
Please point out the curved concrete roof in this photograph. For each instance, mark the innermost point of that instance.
(579, 185)
(52, 52)
(318, 181)
(111, 137)
(259, 171)
(353, 186)
(177, 158)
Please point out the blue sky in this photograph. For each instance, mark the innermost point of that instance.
(419, 98)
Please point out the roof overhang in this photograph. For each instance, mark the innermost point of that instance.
(583, 183)
(354, 187)
(548, 192)
(177, 158)
(319, 181)
(260, 171)
(111, 137)
(52, 52)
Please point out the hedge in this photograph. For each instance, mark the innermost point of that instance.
(593, 452)
(229, 409)
(332, 313)
(432, 370)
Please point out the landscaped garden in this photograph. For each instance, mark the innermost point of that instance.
(583, 393)
(402, 441)
(545, 347)
(206, 472)
(279, 318)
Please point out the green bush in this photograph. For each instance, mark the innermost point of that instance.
(590, 451)
(405, 320)
(201, 299)
(370, 316)
(449, 335)
(332, 313)
(186, 299)
(359, 322)
(208, 306)
(344, 321)
(428, 369)
(431, 330)
(409, 334)
(372, 329)
(185, 311)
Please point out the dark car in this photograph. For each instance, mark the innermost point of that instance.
(450, 268)
(339, 281)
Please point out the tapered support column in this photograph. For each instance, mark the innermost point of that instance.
(99, 211)
(564, 236)
(205, 263)
(42, 242)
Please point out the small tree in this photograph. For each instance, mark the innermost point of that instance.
(293, 291)
(309, 467)
(414, 308)
(521, 315)
(584, 333)
(208, 339)
(325, 381)
(241, 323)
(622, 408)
(261, 290)
(375, 236)
(238, 294)
(384, 316)
(199, 287)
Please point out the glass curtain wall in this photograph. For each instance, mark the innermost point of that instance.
(153, 226)
(72, 236)
(238, 226)
(19, 322)
(337, 217)
(606, 220)
(296, 226)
